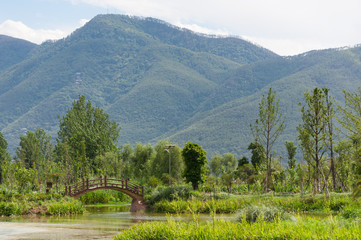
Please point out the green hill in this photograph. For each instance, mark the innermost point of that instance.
(13, 51)
(160, 81)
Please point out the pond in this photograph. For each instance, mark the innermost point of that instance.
(99, 222)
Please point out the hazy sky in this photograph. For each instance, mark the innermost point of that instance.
(287, 27)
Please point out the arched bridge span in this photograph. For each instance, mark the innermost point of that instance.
(135, 191)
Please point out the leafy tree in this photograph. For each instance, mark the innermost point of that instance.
(312, 132)
(126, 154)
(258, 156)
(291, 163)
(242, 161)
(229, 163)
(109, 164)
(4, 156)
(195, 161)
(140, 160)
(216, 165)
(35, 151)
(268, 128)
(301, 172)
(160, 164)
(344, 162)
(247, 174)
(87, 128)
(350, 119)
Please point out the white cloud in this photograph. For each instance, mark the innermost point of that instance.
(20, 30)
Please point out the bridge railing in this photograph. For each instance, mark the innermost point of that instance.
(87, 184)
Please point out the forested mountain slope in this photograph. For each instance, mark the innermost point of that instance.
(160, 81)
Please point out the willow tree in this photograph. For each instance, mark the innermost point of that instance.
(267, 128)
(312, 132)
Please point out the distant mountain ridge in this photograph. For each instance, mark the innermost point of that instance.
(13, 51)
(160, 81)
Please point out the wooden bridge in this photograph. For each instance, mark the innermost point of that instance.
(88, 185)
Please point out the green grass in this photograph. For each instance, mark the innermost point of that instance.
(292, 203)
(38, 203)
(308, 228)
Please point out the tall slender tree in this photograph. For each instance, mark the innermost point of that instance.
(312, 134)
(268, 128)
(330, 114)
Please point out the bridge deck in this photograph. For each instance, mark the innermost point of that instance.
(87, 185)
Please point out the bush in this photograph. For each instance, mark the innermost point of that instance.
(170, 193)
(253, 213)
(351, 213)
(8, 209)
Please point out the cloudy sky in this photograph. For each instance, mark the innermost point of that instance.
(287, 27)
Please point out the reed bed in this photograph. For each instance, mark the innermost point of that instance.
(330, 228)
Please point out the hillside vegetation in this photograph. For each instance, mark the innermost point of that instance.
(159, 81)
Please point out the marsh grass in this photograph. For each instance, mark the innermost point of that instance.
(294, 203)
(38, 203)
(66, 208)
(331, 228)
(253, 213)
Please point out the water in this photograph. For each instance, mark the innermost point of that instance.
(97, 223)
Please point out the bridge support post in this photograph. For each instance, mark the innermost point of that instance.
(137, 205)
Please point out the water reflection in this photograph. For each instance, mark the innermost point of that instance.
(98, 222)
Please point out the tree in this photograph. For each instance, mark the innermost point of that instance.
(291, 163)
(195, 161)
(140, 160)
(88, 128)
(35, 151)
(216, 165)
(4, 156)
(258, 157)
(242, 161)
(160, 164)
(312, 132)
(344, 162)
(268, 128)
(246, 174)
(330, 114)
(350, 119)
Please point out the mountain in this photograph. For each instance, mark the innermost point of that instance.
(161, 81)
(13, 50)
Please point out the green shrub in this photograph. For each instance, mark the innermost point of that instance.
(351, 213)
(253, 213)
(11, 208)
(170, 193)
